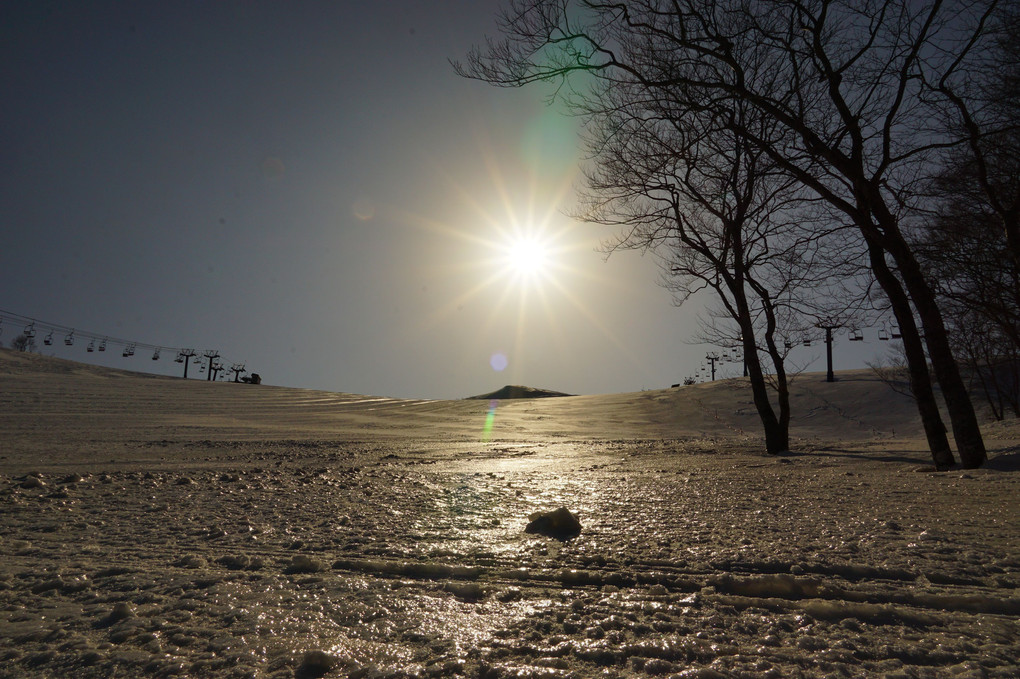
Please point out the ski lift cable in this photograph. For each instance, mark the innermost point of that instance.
(51, 328)
(37, 326)
(40, 326)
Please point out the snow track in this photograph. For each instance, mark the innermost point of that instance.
(692, 562)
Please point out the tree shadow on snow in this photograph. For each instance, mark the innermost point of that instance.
(922, 456)
(1004, 462)
(1008, 461)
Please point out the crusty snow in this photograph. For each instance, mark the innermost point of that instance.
(153, 526)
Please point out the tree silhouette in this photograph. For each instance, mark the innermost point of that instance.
(858, 94)
(21, 343)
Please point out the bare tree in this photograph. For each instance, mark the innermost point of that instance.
(715, 209)
(853, 91)
(966, 252)
(971, 242)
(892, 371)
(21, 343)
(985, 112)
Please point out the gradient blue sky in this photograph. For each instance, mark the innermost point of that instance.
(309, 188)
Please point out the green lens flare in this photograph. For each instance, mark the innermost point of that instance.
(490, 417)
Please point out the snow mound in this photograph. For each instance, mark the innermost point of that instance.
(516, 391)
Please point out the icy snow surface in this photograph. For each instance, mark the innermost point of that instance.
(167, 528)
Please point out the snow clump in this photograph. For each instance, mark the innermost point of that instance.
(560, 524)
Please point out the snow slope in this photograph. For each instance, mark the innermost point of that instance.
(169, 528)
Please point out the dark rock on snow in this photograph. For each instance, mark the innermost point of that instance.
(559, 524)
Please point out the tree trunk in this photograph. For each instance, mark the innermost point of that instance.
(917, 364)
(964, 421)
(782, 387)
(777, 434)
(966, 429)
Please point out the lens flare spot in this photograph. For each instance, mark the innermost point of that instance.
(498, 361)
(490, 418)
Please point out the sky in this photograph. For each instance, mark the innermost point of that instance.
(309, 189)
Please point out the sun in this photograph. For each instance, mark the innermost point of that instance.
(518, 277)
(527, 256)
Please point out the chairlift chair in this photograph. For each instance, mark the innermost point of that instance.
(30, 330)
(69, 338)
(895, 332)
(883, 335)
(807, 342)
(179, 359)
(91, 347)
(102, 345)
(788, 344)
(48, 340)
(155, 354)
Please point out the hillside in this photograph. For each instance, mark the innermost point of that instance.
(160, 527)
(65, 404)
